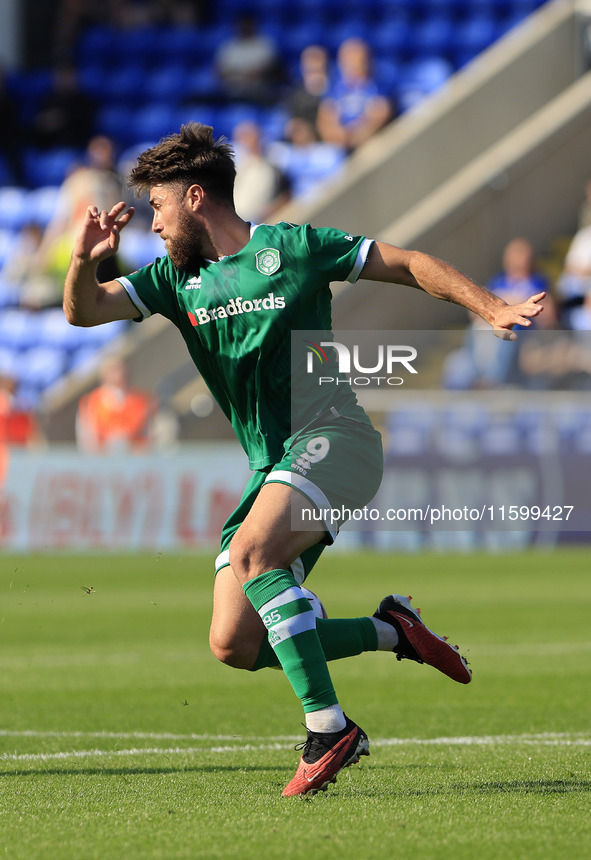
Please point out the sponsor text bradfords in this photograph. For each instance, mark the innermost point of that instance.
(202, 316)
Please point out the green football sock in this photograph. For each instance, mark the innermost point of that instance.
(339, 637)
(292, 634)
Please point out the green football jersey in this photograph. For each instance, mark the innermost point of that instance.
(236, 316)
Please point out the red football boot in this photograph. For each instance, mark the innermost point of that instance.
(417, 642)
(324, 756)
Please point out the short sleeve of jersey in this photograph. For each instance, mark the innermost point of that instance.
(338, 255)
(152, 288)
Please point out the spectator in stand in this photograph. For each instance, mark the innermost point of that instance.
(573, 287)
(19, 284)
(142, 13)
(304, 99)
(18, 426)
(479, 364)
(260, 187)
(65, 117)
(72, 16)
(114, 417)
(248, 65)
(184, 12)
(305, 160)
(354, 109)
(95, 179)
(519, 277)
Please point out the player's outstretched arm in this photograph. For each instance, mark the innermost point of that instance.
(414, 269)
(86, 302)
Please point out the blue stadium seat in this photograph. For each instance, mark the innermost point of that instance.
(392, 40)
(10, 294)
(178, 44)
(204, 113)
(8, 361)
(139, 247)
(471, 419)
(42, 204)
(501, 436)
(98, 42)
(409, 431)
(14, 207)
(433, 37)
(272, 122)
(18, 328)
(169, 83)
(27, 398)
(27, 84)
(299, 36)
(274, 28)
(83, 359)
(202, 84)
(421, 78)
(51, 167)
(55, 331)
(496, 9)
(429, 74)
(154, 122)
(415, 8)
(387, 74)
(347, 28)
(91, 74)
(100, 335)
(213, 34)
(569, 421)
(41, 366)
(229, 9)
(452, 8)
(6, 243)
(230, 115)
(124, 84)
(473, 37)
(525, 7)
(114, 121)
(6, 175)
(136, 44)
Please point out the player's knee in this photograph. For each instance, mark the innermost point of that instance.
(248, 558)
(230, 652)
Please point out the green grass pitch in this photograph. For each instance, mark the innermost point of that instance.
(122, 737)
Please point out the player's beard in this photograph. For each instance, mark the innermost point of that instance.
(185, 249)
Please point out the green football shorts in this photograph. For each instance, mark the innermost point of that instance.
(336, 463)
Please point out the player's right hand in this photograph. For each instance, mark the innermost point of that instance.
(99, 235)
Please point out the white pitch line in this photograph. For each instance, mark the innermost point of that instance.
(542, 650)
(159, 736)
(543, 739)
(34, 733)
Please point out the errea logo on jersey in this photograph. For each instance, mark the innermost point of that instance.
(202, 316)
(193, 283)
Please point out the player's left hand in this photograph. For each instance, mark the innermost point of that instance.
(520, 314)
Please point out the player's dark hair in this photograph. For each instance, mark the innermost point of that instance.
(191, 157)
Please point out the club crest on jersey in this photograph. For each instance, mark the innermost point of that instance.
(268, 261)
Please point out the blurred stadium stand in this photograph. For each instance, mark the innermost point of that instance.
(454, 112)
